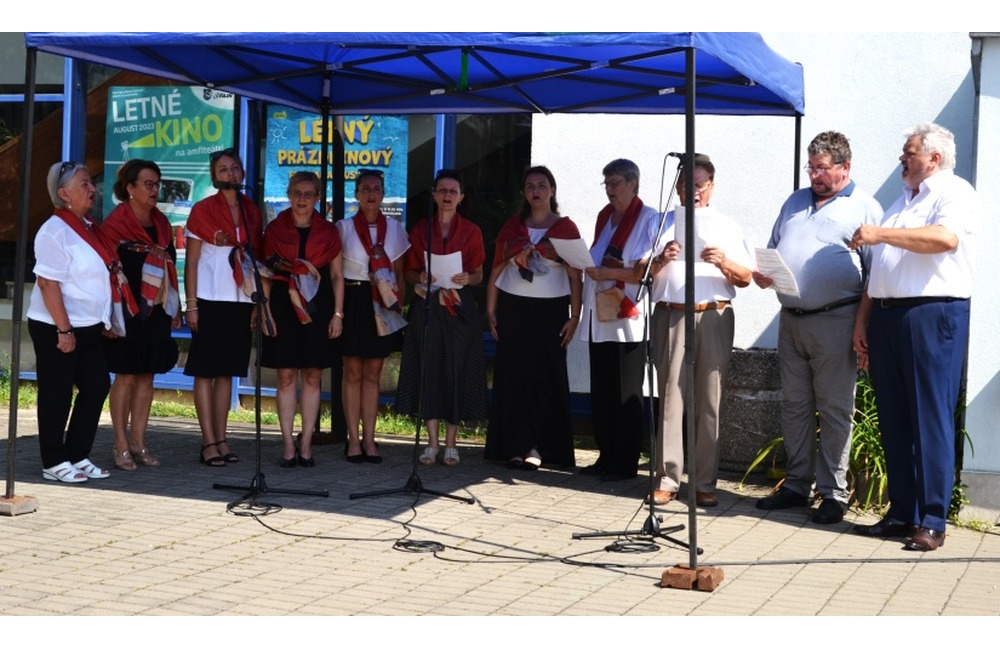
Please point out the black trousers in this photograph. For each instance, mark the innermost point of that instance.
(85, 367)
(616, 373)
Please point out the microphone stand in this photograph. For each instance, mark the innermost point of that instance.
(414, 485)
(651, 526)
(258, 485)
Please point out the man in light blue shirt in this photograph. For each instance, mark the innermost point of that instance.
(817, 363)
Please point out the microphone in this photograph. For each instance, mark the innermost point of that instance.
(223, 185)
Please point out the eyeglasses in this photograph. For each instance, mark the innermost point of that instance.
(215, 155)
(150, 185)
(308, 196)
(819, 171)
(613, 184)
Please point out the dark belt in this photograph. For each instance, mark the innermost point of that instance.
(355, 283)
(837, 304)
(890, 303)
(701, 306)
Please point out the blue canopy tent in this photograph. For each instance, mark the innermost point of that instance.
(435, 73)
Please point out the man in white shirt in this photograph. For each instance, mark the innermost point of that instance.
(914, 325)
(722, 263)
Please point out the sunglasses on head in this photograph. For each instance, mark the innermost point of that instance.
(215, 155)
(66, 166)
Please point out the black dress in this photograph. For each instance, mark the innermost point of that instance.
(530, 408)
(148, 347)
(300, 345)
(454, 364)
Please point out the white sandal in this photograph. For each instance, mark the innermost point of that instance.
(64, 472)
(91, 470)
(429, 457)
(451, 456)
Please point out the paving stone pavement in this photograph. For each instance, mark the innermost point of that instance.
(161, 541)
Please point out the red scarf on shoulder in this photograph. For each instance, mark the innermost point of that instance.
(211, 216)
(463, 237)
(121, 296)
(281, 250)
(378, 262)
(616, 247)
(159, 273)
(513, 238)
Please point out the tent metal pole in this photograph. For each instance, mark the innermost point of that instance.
(689, 341)
(797, 167)
(27, 139)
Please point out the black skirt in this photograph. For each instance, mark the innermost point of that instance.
(221, 346)
(360, 337)
(147, 347)
(530, 408)
(454, 363)
(299, 345)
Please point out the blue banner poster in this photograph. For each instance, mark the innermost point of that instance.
(295, 141)
(177, 128)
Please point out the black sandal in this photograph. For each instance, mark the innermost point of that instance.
(230, 457)
(214, 461)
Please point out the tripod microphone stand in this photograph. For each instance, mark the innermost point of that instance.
(258, 485)
(414, 484)
(651, 526)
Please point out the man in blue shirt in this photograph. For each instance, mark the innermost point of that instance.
(817, 363)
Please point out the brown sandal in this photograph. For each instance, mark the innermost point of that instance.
(123, 460)
(143, 457)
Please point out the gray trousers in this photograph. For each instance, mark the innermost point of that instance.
(819, 371)
(714, 331)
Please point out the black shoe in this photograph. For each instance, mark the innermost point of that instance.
(886, 528)
(829, 511)
(307, 462)
(783, 498)
(592, 470)
(289, 462)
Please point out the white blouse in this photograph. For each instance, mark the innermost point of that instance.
(63, 256)
(396, 243)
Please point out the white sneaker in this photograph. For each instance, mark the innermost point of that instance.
(64, 472)
(91, 470)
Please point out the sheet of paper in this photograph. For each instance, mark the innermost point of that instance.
(574, 252)
(444, 268)
(708, 231)
(770, 264)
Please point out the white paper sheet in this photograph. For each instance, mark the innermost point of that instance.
(770, 264)
(444, 268)
(574, 252)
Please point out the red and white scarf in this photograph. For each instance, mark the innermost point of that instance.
(302, 274)
(463, 237)
(212, 216)
(159, 274)
(613, 254)
(122, 301)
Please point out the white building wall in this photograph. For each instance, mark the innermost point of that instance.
(872, 87)
(982, 473)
